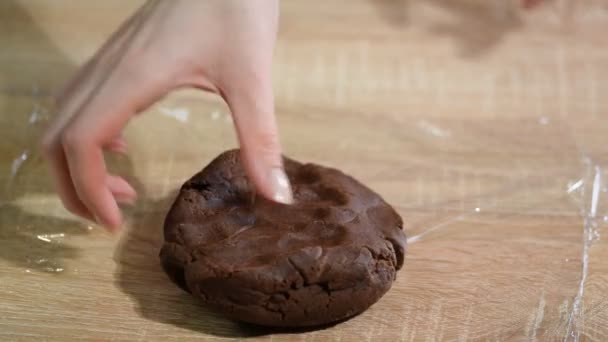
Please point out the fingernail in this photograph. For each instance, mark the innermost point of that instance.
(280, 186)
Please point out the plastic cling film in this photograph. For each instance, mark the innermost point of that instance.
(38, 230)
(36, 118)
(33, 241)
(18, 163)
(591, 194)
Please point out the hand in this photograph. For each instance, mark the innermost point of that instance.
(222, 46)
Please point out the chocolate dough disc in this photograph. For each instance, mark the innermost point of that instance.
(329, 256)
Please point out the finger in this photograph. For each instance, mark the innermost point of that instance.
(71, 98)
(122, 191)
(94, 194)
(95, 125)
(256, 126)
(63, 182)
(118, 145)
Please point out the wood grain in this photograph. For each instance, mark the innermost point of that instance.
(472, 117)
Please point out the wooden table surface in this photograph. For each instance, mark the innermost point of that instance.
(484, 125)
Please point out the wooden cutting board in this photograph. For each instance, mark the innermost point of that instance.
(484, 125)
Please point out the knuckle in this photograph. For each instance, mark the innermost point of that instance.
(267, 142)
(266, 146)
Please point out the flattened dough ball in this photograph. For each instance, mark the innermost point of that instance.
(328, 257)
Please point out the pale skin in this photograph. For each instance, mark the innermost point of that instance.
(220, 46)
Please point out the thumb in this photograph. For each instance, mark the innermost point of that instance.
(253, 112)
